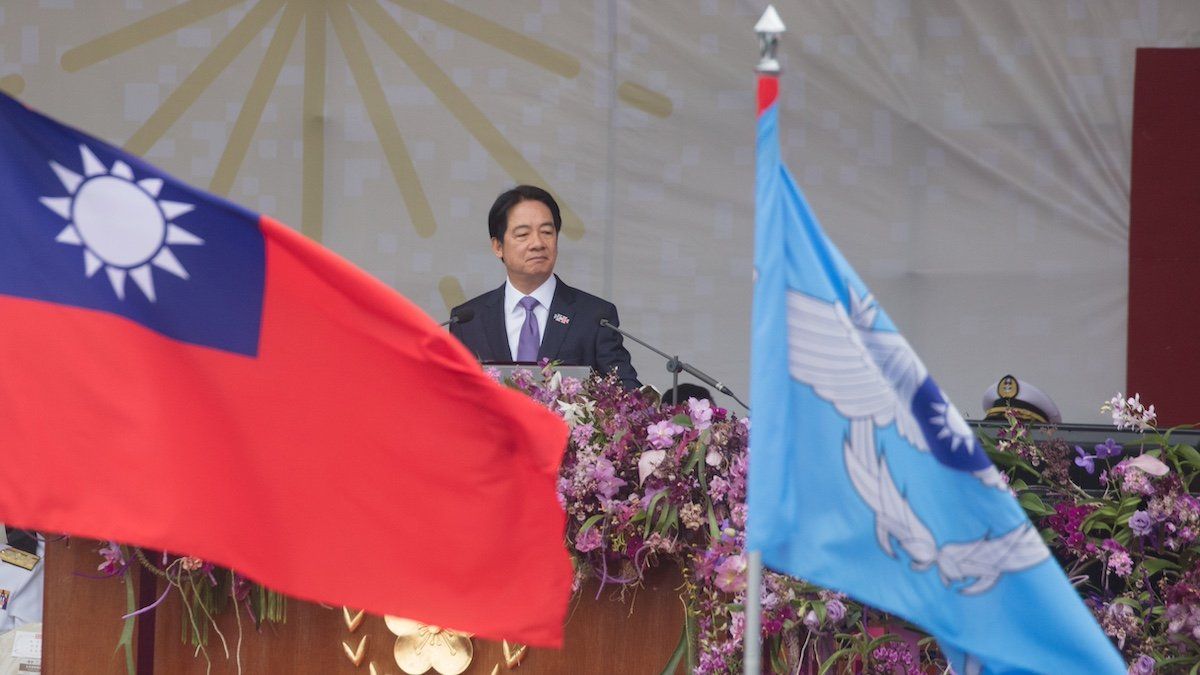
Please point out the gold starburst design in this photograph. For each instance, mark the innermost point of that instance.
(313, 18)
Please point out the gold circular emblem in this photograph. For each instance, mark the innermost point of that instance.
(1008, 387)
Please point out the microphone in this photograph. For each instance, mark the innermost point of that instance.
(676, 366)
(463, 316)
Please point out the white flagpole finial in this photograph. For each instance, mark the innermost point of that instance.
(770, 22)
(769, 27)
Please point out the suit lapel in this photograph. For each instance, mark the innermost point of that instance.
(562, 307)
(494, 328)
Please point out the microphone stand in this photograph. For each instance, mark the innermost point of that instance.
(676, 366)
(463, 316)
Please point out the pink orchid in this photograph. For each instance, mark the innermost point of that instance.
(731, 574)
(662, 434)
(701, 412)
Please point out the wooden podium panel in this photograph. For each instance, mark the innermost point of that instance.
(82, 624)
(81, 617)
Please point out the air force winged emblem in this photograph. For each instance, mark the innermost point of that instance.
(874, 379)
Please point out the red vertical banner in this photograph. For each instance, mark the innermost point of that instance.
(1163, 359)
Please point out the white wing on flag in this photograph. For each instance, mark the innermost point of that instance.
(871, 377)
(987, 559)
(894, 518)
(862, 372)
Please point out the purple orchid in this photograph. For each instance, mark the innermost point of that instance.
(1144, 665)
(1120, 563)
(114, 559)
(893, 657)
(570, 386)
(1088, 462)
(582, 433)
(588, 541)
(605, 475)
(1141, 523)
(1108, 448)
(836, 610)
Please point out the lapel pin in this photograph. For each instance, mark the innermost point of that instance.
(562, 318)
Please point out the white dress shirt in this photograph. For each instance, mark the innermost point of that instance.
(24, 592)
(514, 313)
(14, 665)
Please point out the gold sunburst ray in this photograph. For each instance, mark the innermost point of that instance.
(317, 14)
(199, 80)
(255, 103)
(394, 148)
(495, 35)
(140, 32)
(458, 104)
(312, 164)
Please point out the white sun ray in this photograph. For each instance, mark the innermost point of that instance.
(173, 210)
(152, 186)
(166, 260)
(121, 170)
(92, 166)
(141, 277)
(91, 262)
(116, 276)
(178, 235)
(69, 235)
(59, 205)
(69, 178)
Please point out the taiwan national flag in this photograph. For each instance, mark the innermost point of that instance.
(865, 478)
(179, 373)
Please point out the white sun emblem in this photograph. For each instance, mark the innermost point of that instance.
(953, 425)
(121, 224)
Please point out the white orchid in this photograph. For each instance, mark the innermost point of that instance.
(649, 461)
(575, 412)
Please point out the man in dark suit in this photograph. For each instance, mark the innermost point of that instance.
(534, 315)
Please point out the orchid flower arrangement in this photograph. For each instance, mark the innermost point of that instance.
(206, 592)
(1132, 547)
(645, 485)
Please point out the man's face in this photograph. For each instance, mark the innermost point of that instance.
(530, 245)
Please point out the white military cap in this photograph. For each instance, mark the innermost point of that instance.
(1022, 399)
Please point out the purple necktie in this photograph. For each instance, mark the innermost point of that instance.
(530, 337)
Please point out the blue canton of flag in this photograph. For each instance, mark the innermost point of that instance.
(864, 478)
(84, 224)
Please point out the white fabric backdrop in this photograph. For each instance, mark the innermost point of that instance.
(970, 158)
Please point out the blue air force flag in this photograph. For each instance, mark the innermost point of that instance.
(864, 478)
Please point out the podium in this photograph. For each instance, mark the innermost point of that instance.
(82, 625)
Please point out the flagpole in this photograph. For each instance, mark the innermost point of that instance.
(768, 29)
(752, 638)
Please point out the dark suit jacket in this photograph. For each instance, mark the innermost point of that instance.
(581, 340)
